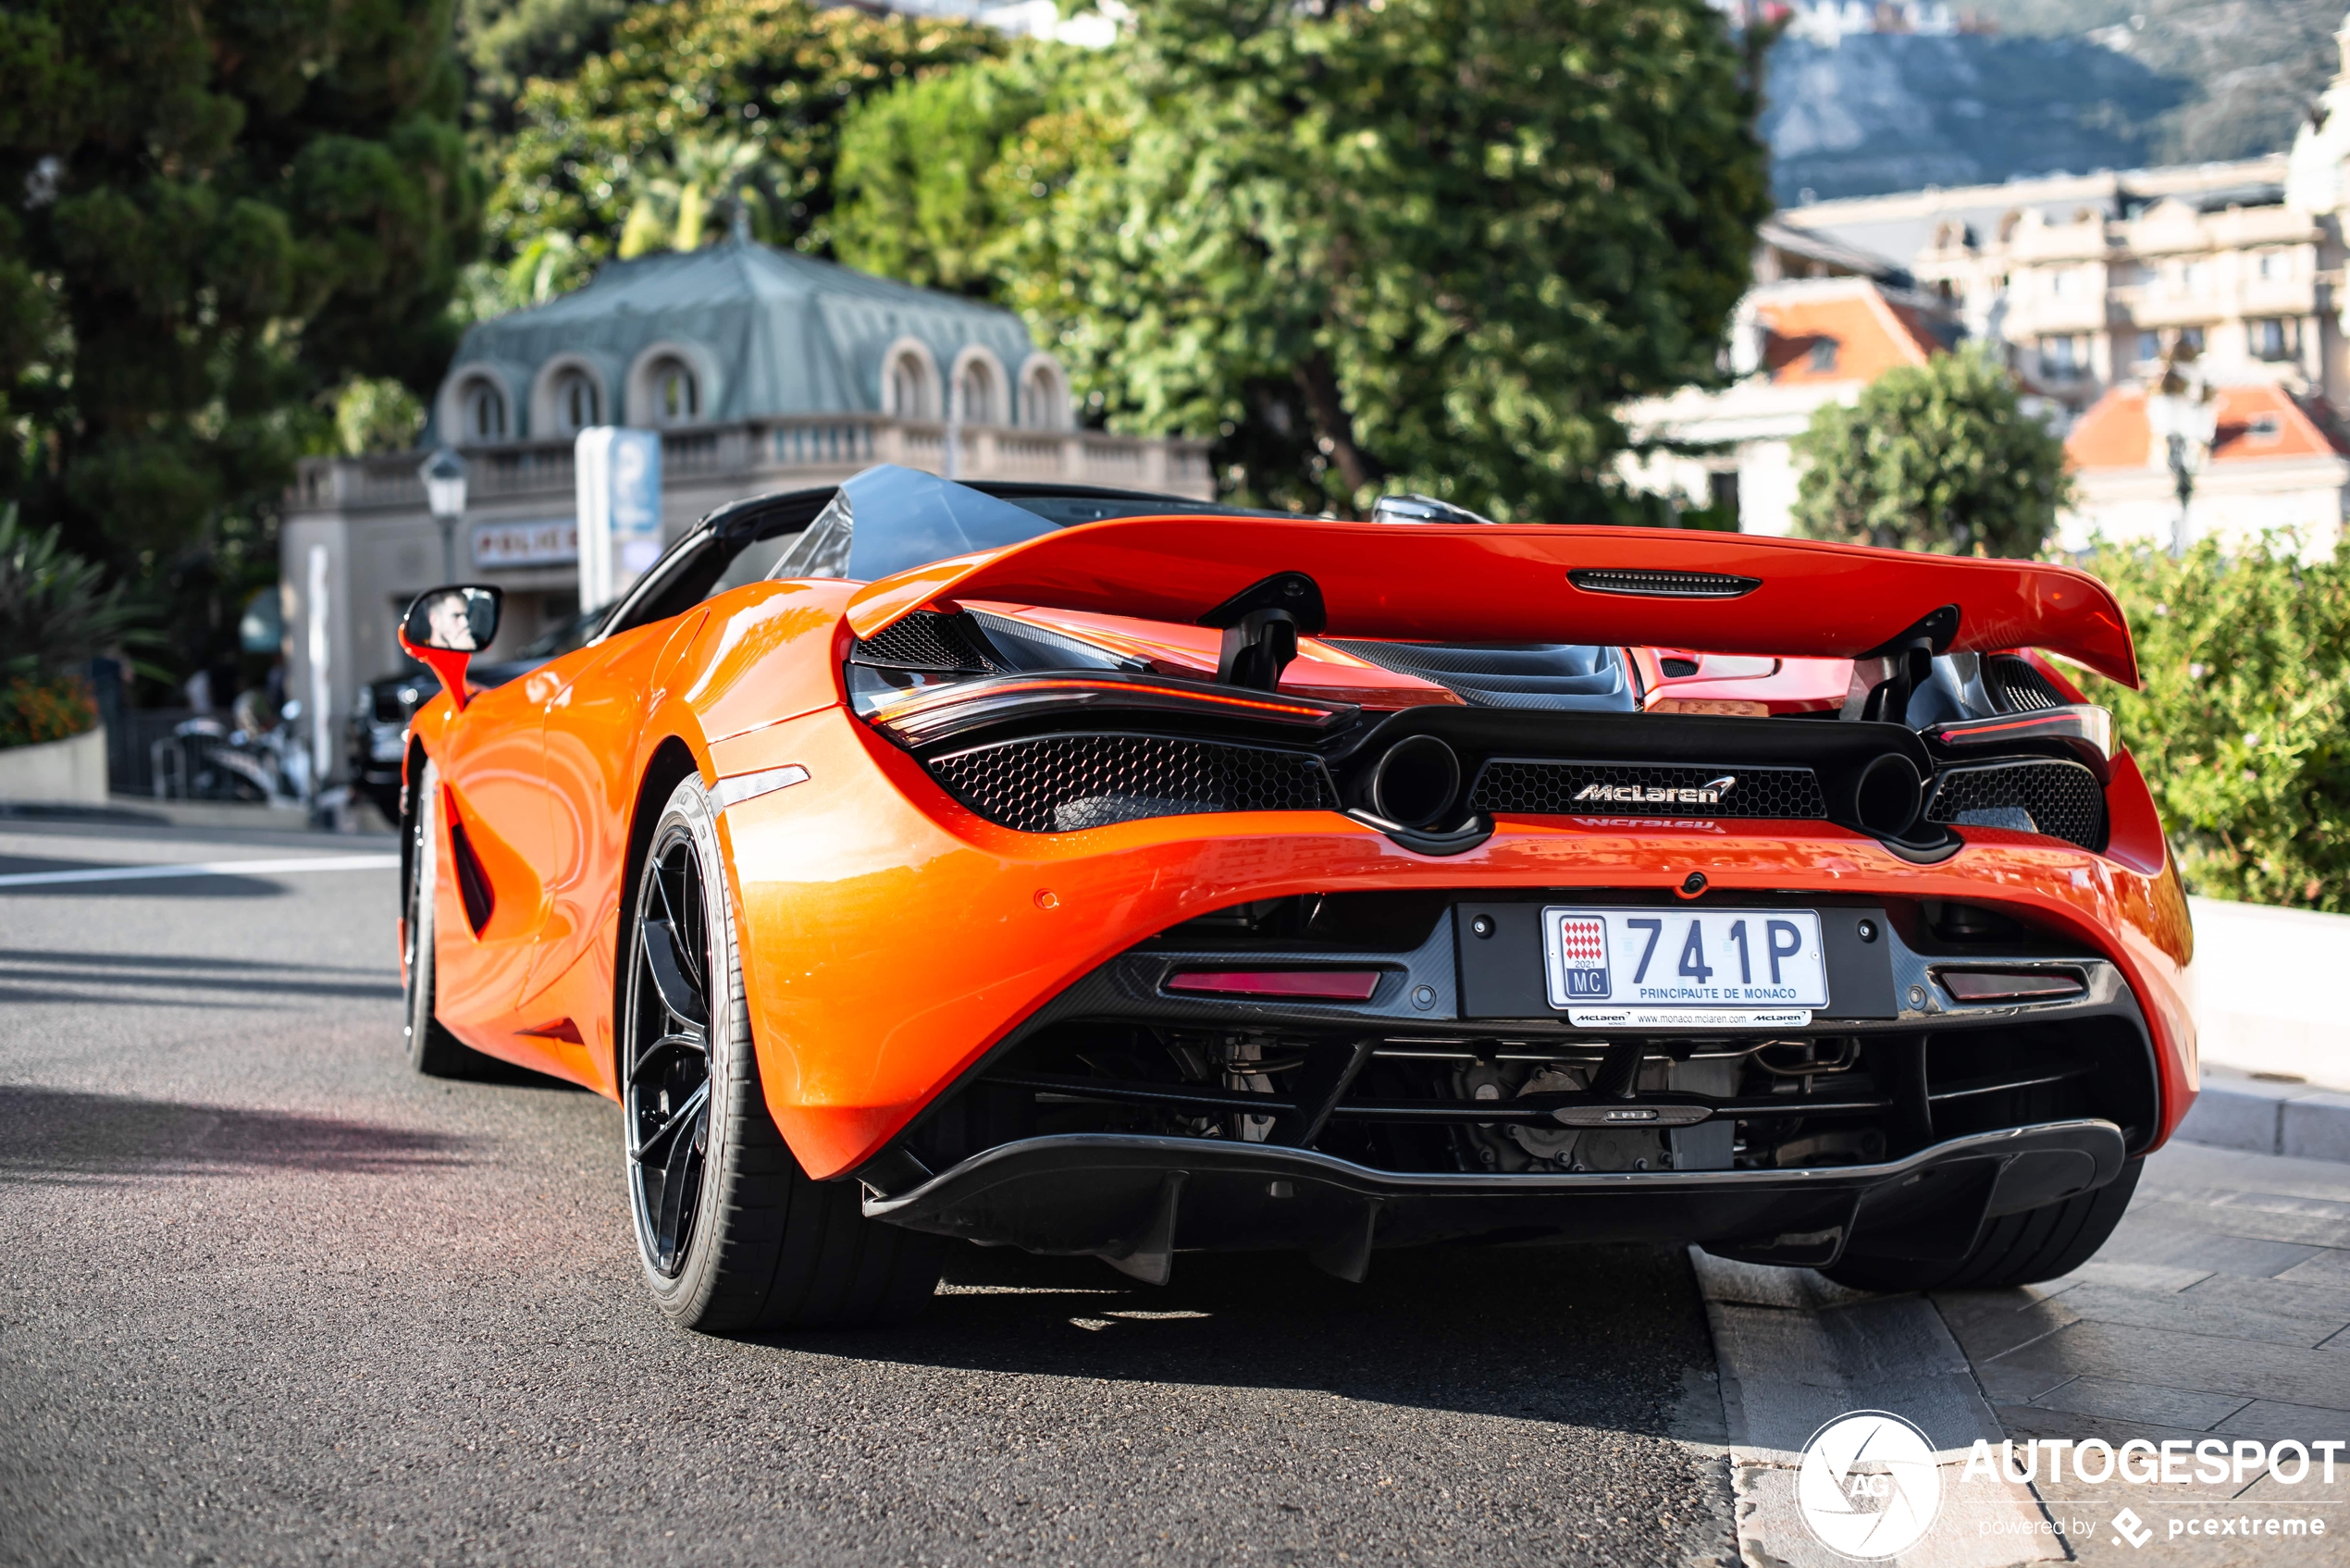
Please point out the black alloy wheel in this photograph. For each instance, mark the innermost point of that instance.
(667, 1087)
(730, 1232)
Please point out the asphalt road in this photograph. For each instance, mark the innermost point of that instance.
(266, 1297)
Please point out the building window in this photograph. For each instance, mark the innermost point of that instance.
(2195, 277)
(483, 408)
(976, 394)
(2061, 283)
(676, 395)
(1823, 359)
(2272, 263)
(2265, 428)
(577, 404)
(2190, 340)
(1042, 404)
(906, 389)
(2064, 358)
(2149, 347)
(2272, 338)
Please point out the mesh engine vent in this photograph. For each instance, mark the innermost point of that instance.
(2016, 687)
(1539, 788)
(2059, 799)
(1066, 783)
(1650, 583)
(925, 640)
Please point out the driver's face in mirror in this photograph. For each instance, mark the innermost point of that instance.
(448, 624)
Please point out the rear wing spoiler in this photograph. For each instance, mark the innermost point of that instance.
(1640, 588)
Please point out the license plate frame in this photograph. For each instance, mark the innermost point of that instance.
(1695, 967)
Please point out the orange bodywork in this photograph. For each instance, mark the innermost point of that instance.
(890, 937)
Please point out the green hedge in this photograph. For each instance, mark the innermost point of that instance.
(2239, 726)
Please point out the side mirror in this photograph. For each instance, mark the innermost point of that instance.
(445, 627)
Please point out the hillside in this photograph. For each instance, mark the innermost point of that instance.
(2068, 85)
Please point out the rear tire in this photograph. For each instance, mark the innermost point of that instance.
(432, 1050)
(2016, 1249)
(730, 1232)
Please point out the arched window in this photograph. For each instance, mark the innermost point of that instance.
(976, 394)
(482, 407)
(676, 395)
(1044, 402)
(905, 388)
(578, 403)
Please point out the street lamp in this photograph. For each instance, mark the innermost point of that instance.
(2184, 417)
(444, 477)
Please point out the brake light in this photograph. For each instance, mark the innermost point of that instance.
(1296, 985)
(2010, 985)
(2082, 727)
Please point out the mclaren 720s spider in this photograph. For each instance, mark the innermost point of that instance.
(1100, 872)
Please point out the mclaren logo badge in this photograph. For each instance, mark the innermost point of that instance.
(1708, 793)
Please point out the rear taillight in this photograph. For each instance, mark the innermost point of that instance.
(2010, 985)
(2083, 729)
(1294, 985)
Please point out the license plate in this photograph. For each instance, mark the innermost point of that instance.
(1685, 969)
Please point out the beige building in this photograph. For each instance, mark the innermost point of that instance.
(1800, 343)
(759, 370)
(2091, 279)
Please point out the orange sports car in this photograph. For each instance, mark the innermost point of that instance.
(1097, 872)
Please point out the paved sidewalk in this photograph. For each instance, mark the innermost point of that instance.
(2219, 1310)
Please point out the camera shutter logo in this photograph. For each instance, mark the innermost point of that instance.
(1868, 1486)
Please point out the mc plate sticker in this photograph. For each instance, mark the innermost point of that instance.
(1685, 969)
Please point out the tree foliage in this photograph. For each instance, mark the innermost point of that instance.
(220, 211)
(506, 43)
(2243, 727)
(1373, 245)
(56, 612)
(699, 109)
(920, 197)
(1936, 457)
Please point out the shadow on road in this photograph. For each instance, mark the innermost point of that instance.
(1548, 1334)
(32, 975)
(221, 886)
(64, 1134)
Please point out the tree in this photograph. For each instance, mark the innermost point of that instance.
(55, 617)
(1424, 244)
(2243, 726)
(1935, 457)
(225, 211)
(916, 197)
(506, 43)
(748, 94)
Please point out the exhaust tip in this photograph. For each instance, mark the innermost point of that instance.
(1887, 796)
(1415, 781)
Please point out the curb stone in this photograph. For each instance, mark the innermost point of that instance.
(1798, 1351)
(2267, 1115)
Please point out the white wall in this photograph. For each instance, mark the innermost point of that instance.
(1766, 487)
(2261, 986)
